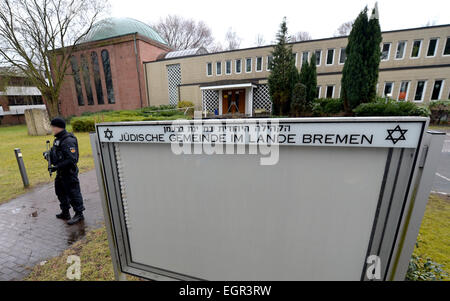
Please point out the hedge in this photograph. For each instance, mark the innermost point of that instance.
(327, 106)
(439, 111)
(390, 108)
(86, 122)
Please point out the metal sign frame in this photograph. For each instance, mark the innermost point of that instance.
(397, 200)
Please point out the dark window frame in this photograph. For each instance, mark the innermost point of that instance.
(435, 47)
(422, 89)
(77, 81)
(209, 69)
(327, 91)
(330, 57)
(108, 76)
(86, 74)
(342, 56)
(433, 90)
(97, 78)
(446, 50)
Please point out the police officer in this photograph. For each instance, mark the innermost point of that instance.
(64, 158)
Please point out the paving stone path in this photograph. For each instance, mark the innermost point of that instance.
(30, 233)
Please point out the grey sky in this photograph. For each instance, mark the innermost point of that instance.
(250, 18)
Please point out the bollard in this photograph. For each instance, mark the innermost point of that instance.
(23, 171)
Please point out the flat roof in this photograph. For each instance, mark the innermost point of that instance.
(293, 43)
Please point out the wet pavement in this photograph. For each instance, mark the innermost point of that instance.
(30, 233)
(441, 184)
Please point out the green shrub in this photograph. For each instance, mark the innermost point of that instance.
(187, 106)
(83, 124)
(87, 113)
(299, 104)
(439, 111)
(86, 123)
(390, 108)
(421, 269)
(327, 106)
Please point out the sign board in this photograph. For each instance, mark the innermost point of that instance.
(259, 199)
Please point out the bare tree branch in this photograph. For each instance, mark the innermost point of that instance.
(232, 40)
(181, 33)
(38, 37)
(344, 29)
(260, 41)
(301, 36)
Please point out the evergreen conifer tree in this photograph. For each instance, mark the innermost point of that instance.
(311, 92)
(360, 73)
(308, 77)
(284, 74)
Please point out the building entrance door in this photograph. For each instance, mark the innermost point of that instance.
(233, 101)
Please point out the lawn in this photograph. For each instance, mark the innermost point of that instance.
(32, 147)
(96, 261)
(94, 255)
(434, 235)
(443, 128)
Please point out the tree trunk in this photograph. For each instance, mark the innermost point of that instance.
(52, 106)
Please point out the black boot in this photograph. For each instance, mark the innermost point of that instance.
(78, 217)
(65, 215)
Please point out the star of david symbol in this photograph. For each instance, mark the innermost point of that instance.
(108, 134)
(396, 135)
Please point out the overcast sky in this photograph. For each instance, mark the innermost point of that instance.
(252, 17)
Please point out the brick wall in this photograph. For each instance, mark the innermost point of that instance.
(129, 86)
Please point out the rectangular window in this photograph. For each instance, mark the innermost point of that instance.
(228, 67)
(420, 89)
(388, 88)
(342, 56)
(330, 56)
(22, 100)
(447, 47)
(400, 54)
(318, 89)
(238, 66)
(432, 46)
(416, 47)
(437, 88)
(403, 93)
(269, 62)
(248, 65)
(218, 68)
(259, 64)
(385, 51)
(305, 56)
(318, 54)
(209, 69)
(330, 91)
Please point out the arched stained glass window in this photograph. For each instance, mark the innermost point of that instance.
(77, 81)
(108, 76)
(87, 80)
(97, 78)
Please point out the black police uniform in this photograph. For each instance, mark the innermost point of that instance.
(64, 156)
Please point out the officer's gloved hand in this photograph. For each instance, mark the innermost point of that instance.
(52, 168)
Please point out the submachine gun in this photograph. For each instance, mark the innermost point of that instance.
(48, 157)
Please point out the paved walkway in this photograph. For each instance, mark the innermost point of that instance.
(30, 233)
(441, 184)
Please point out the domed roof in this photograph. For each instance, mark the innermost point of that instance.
(114, 27)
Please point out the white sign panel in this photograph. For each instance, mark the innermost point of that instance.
(399, 134)
(318, 213)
